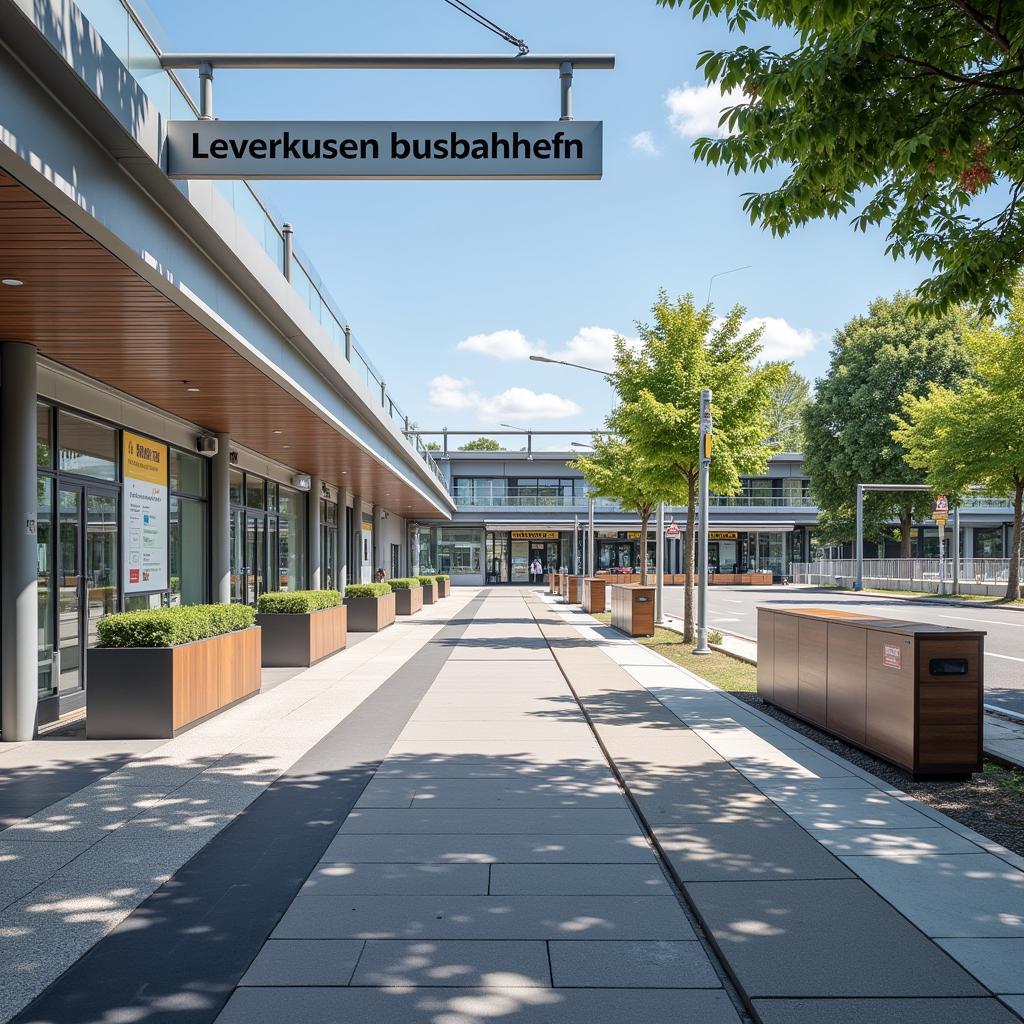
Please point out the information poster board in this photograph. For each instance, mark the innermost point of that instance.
(146, 514)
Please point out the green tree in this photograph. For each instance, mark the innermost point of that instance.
(787, 402)
(683, 351)
(481, 444)
(895, 112)
(432, 446)
(876, 360)
(975, 435)
(616, 470)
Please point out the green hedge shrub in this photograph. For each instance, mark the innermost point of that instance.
(427, 581)
(442, 576)
(357, 590)
(167, 627)
(404, 583)
(298, 602)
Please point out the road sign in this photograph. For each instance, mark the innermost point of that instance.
(672, 530)
(941, 512)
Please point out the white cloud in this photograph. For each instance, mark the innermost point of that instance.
(514, 404)
(781, 341)
(593, 346)
(643, 142)
(499, 345)
(695, 109)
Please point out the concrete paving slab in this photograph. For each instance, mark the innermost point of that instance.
(12, 890)
(768, 846)
(612, 821)
(872, 842)
(522, 731)
(678, 803)
(958, 895)
(1016, 1003)
(639, 964)
(491, 849)
(819, 809)
(824, 939)
(501, 653)
(304, 962)
(789, 765)
(543, 751)
(27, 859)
(586, 879)
(997, 963)
(501, 793)
(477, 1006)
(484, 917)
(337, 879)
(882, 1011)
(525, 768)
(482, 964)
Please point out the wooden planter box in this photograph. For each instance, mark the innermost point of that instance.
(573, 590)
(408, 602)
(595, 594)
(633, 609)
(554, 582)
(370, 614)
(430, 593)
(444, 588)
(149, 693)
(908, 692)
(291, 641)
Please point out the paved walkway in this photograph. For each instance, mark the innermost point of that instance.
(514, 815)
(72, 871)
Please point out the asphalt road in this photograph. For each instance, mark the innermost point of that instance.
(733, 609)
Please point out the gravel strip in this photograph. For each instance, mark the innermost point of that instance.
(991, 802)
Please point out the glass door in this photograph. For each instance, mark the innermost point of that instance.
(87, 574)
(69, 588)
(101, 558)
(255, 557)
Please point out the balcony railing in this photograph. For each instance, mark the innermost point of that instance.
(498, 501)
(131, 42)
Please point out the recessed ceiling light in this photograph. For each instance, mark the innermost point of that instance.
(278, 431)
(286, 446)
(12, 282)
(194, 391)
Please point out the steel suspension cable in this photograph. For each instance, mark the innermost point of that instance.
(485, 22)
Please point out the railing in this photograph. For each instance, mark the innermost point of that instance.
(132, 43)
(841, 571)
(520, 500)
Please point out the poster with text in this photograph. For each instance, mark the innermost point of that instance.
(145, 514)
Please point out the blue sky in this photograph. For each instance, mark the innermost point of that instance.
(450, 285)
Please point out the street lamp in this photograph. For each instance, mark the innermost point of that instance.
(659, 547)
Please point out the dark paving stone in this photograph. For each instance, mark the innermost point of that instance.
(883, 1011)
(771, 845)
(190, 943)
(804, 939)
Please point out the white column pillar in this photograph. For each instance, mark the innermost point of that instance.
(220, 522)
(344, 540)
(19, 602)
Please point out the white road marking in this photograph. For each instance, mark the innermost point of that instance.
(1005, 657)
(725, 618)
(991, 622)
(730, 600)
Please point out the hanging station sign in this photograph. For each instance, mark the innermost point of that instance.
(384, 149)
(145, 498)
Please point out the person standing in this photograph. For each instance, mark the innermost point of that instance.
(536, 571)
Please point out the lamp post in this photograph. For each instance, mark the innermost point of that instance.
(703, 502)
(588, 564)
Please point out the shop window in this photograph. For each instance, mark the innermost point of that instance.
(188, 473)
(188, 551)
(44, 438)
(988, 542)
(291, 539)
(87, 448)
(45, 584)
(255, 491)
(395, 559)
(235, 485)
(459, 551)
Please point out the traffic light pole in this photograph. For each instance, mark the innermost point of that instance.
(702, 523)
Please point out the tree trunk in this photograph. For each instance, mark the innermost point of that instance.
(645, 517)
(689, 633)
(906, 522)
(1013, 576)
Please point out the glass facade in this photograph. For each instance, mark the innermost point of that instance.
(458, 551)
(268, 537)
(988, 542)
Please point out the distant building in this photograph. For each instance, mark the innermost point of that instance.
(513, 507)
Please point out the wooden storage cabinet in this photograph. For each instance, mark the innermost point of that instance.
(633, 609)
(595, 594)
(909, 692)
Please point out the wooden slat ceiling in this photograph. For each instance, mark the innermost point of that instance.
(85, 309)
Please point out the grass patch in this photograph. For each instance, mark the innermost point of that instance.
(924, 595)
(718, 669)
(1009, 781)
